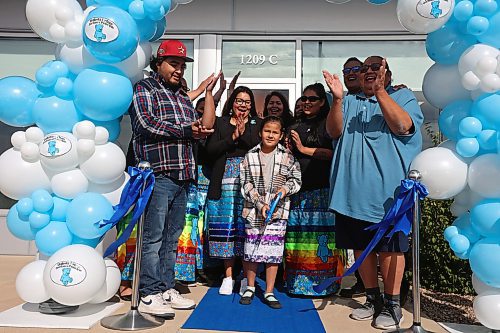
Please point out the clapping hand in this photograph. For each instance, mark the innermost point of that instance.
(210, 86)
(334, 84)
(379, 84)
(200, 131)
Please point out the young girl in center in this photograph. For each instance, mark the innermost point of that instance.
(267, 169)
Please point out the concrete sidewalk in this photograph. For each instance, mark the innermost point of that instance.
(333, 311)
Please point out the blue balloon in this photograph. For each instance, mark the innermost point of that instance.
(488, 140)
(459, 243)
(161, 25)
(113, 127)
(123, 4)
(17, 98)
(462, 223)
(464, 255)
(378, 2)
(485, 217)
(467, 147)
(451, 116)
(484, 260)
(102, 93)
(60, 68)
(450, 232)
(477, 25)
(492, 35)
(38, 220)
(60, 209)
(136, 10)
(84, 214)
(110, 34)
(25, 207)
(91, 3)
(45, 77)
(18, 226)
(485, 8)
(89, 242)
(53, 114)
(42, 201)
(147, 29)
(64, 88)
(463, 10)
(470, 127)
(485, 108)
(53, 237)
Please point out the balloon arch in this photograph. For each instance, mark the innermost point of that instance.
(66, 172)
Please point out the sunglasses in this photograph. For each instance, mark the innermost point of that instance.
(353, 69)
(311, 99)
(375, 67)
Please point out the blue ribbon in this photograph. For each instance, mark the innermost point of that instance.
(131, 195)
(398, 218)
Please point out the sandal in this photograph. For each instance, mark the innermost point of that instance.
(126, 297)
(272, 301)
(247, 297)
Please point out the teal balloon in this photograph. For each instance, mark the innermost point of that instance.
(477, 25)
(464, 255)
(446, 45)
(46, 77)
(84, 214)
(485, 8)
(60, 209)
(123, 4)
(470, 127)
(147, 29)
(484, 261)
(451, 116)
(459, 243)
(89, 242)
(161, 25)
(464, 227)
(378, 2)
(42, 201)
(17, 99)
(64, 88)
(102, 93)
(60, 68)
(25, 207)
(450, 232)
(18, 226)
(488, 140)
(492, 35)
(485, 217)
(463, 10)
(53, 237)
(113, 127)
(485, 108)
(38, 220)
(467, 147)
(53, 114)
(136, 10)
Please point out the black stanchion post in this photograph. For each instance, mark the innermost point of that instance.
(133, 320)
(417, 324)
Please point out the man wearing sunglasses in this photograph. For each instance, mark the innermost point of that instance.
(351, 69)
(379, 135)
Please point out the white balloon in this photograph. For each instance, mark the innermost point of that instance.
(470, 81)
(64, 15)
(19, 178)
(30, 152)
(484, 175)
(101, 135)
(486, 65)
(439, 76)
(443, 172)
(106, 165)
(76, 57)
(487, 308)
(490, 83)
(111, 191)
(85, 148)
(74, 274)
(34, 134)
(480, 287)
(18, 139)
(41, 15)
(133, 65)
(457, 209)
(29, 282)
(467, 198)
(84, 130)
(57, 33)
(470, 58)
(69, 184)
(111, 285)
(73, 31)
(58, 151)
(475, 94)
(419, 16)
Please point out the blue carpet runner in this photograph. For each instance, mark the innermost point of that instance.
(225, 313)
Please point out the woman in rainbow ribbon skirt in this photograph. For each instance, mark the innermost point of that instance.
(310, 250)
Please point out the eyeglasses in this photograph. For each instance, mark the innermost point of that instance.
(375, 67)
(353, 69)
(240, 102)
(311, 99)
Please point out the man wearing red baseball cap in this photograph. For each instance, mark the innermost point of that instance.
(165, 127)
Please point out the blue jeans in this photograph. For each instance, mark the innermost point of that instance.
(163, 224)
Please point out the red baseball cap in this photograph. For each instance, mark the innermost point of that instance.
(173, 48)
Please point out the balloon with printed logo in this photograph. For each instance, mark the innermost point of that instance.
(74, 274)
(111, 285)
(439, 76)
(17, 99)
(58, 151)
(492, 35)
(21, 178)
(421, 16)
(29, 282)
(53, 114)
(485, 261)
(102, 93)
(84, 214)
(110, 34)
(19, 225)
(106, 165)
(484, 175)
(53, 237)
(486, 308)
(443, 172)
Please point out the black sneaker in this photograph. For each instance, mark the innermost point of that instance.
(357, 290)
(372, 307)
(390, 317)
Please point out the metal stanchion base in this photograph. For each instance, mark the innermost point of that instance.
(131, 321)
(413, 329)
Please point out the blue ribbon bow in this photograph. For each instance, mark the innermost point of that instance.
(131, 195)
(398, 218)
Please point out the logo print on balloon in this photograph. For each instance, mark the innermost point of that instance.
(433, 9)
(99, 36)
(54, 145)
(68, 273)
(101, 30)
(52, 150)
(65, 278)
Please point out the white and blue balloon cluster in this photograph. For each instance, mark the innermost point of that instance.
(465, 83)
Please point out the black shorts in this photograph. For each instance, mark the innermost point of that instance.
(350, 233)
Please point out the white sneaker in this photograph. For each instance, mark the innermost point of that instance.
(243, 286)
(177, 301)
(227, 286)
(157, 306)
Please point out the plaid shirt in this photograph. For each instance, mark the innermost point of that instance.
(161, 124)
(286, 174)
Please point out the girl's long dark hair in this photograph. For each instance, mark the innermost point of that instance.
(228, 107)
(287, 114)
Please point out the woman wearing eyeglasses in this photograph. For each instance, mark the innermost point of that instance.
(310, 239)
(236, 132)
